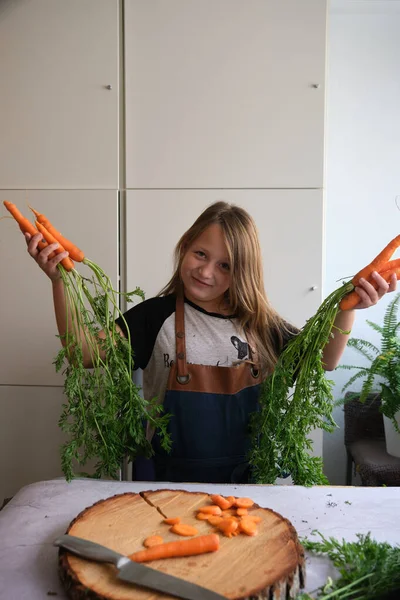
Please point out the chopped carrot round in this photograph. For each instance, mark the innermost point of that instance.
(203, 516)
(211, 510)
(182, 529)
(228, 526)
(248, 527)
(254, 518)
(244, 502)
(214, 520)
(172, 521)
(223, 503)
(153, 540)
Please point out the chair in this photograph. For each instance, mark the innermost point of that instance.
(364, 438)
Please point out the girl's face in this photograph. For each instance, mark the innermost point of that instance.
(205, 270)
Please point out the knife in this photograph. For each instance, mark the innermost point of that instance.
(132, 572)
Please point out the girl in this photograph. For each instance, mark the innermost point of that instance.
(206, 342)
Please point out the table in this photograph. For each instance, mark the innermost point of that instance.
(40, 512)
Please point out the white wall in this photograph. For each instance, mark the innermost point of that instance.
(362, 170)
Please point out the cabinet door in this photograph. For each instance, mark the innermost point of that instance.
(225, 93)
(290, 228)
(30, 438)
(58, 120)
(27, 322)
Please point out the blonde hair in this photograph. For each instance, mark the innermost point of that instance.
(246, 295)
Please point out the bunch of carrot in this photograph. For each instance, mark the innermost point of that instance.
(105, 411)
(219, 514)
(297, 397)
(49, 233)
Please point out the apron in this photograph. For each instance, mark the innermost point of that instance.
(210, 408)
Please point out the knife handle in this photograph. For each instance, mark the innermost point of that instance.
(91, 550)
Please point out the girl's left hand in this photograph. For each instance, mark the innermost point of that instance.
(369, 295)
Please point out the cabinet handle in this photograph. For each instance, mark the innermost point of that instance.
(109, 87)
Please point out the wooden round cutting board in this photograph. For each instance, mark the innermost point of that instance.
(269, 565)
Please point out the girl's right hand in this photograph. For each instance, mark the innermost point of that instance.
(49, 266)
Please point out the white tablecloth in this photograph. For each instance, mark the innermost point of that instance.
(40, 512)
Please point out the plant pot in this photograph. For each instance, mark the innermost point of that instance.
(392, 436)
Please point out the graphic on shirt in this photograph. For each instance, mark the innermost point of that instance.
(241, 347)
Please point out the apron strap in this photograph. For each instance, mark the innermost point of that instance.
(183, 375)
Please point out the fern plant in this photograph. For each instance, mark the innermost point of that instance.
(383, 372)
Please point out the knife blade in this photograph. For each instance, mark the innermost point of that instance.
(132, 572)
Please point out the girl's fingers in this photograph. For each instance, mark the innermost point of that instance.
(58, 258)
(365, 300)
(383, 286)
(32, 243)
(369, 295)
(392, 283)
(42, 256)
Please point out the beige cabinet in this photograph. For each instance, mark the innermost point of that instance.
(225, 93)
(27, 322)
(30, 438)
(58, 120)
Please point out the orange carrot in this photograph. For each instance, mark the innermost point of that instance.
(390, 264)
(172, 521)
(201, 516)
(66, 262)
(210, 510)
(241, 512)
(253, 518)
(244, 502)
(198, 545)
(387, 275)
(375, 265)
(74, 252)
(223, 503)
(182, 529)
(378, 261)
(214, 520)
(24, 224)
(228, 526)
(153, 540)
(248, 527)
(352, 299)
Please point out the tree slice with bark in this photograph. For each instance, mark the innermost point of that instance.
(267, 566)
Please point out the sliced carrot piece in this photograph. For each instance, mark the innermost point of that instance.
(248, 527)
(182, 529)
(241, 512)
(203, 516)
(228, 526)
(214, 520)
(244, 502)
(153, 540)
(172, 521)
(223, 503)
(253, 518)
(211, 510)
